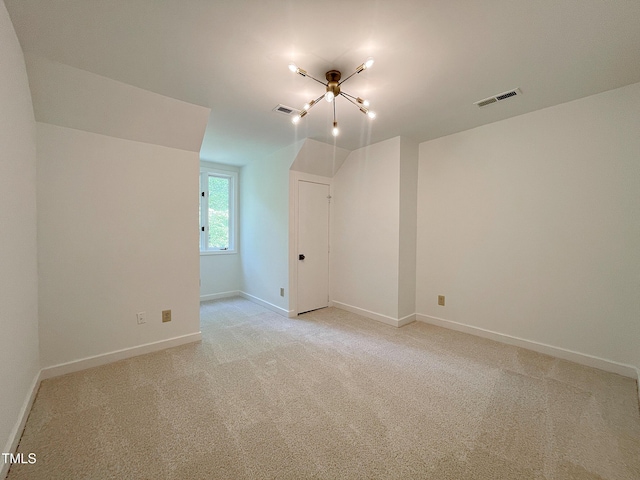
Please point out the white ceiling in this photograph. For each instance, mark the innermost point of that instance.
(434, 58)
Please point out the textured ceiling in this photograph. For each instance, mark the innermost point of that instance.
(433, 59)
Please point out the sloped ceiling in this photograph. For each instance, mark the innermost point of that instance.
(433, 59)
(74, 98)
(318, 158)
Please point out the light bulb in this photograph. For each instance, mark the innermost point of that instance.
(295, 119)
(329, 96)
(365, 103)
(293, 67)
(369, 62)
(371, 114)
(306, 106)
(335, 130)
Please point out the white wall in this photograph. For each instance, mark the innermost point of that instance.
(365, 229)
(407, 225)
(117, 234)
(220, 273)
(19, 361)
(264, 227)
(531, 226)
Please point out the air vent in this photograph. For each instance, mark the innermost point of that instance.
(498, 98)
(488, 101)
(285, 110)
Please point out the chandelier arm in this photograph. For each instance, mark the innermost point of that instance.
(335, 132)
(362, 108)
(341, 82)
(313, 103)
(346, 95)
(304, 73)
(319, 81)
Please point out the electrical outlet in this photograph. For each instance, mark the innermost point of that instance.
(166, 316)
(282, 292)
(441, 300)
(142, 317)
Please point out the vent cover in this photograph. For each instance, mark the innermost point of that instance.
(498, 98)
(285, 110)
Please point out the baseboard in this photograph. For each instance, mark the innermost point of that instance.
(406, 320)
(394, 322)
(103, 359)
(577, 357)
(16, 433)
(265, 304)
(216, 296)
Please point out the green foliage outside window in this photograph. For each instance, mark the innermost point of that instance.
(218, 212)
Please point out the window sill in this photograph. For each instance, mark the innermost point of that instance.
(218, 252)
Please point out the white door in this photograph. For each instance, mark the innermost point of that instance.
(313, 246)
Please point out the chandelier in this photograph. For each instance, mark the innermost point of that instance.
(332, 91)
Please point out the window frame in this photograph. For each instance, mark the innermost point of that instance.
(205, 173)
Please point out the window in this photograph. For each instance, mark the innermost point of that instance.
(217, 211)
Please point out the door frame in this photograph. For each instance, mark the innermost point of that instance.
(294, 178)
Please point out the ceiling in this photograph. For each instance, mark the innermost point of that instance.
(434, 58)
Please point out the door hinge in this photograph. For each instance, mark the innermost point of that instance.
(202, 193)
(202, 228)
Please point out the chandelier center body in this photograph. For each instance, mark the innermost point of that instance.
(333, 82)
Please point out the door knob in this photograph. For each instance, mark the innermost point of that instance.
(301, 256)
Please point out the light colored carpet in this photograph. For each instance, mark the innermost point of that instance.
(333, 395)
